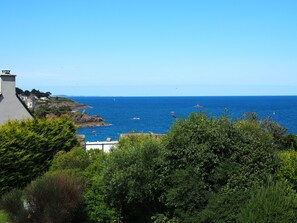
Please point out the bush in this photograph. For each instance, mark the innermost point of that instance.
(50, 198)
(206, 156)
(54, 198)
(133, 180)
(3, 217)
(87, 165)
(96, 205)
(73, 162)
(272, 203)
(12, 204)
(28, 147)
(287, 172)
(290, 142)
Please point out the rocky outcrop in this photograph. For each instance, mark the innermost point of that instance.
(56, 107)
(84, 120)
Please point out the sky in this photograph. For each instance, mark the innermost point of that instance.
(151, 47)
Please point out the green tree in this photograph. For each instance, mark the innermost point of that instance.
(206, 156)
(287, 171)
(28, 147)
(97, 207)
(133, 178)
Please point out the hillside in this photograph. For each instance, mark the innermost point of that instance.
(43, 105)
(59, 106)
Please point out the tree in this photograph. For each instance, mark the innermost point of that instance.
(19, 91)
(97, 206)
(133, 178)
(28, 147)
(287, 171)
(208, 156)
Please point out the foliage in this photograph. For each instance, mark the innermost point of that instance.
(207, 155)
(12, 204)
(271, 203)
(35, 92)
(161, 218)
(223, 206)
(50, 198)
(43, 111)
(133, 178)
(277, 131)
(73, 162)
(287, 172)
(44, 195)
(28, 147)
(96, 206)
(290, 141)
(87, 165)
(3, 217)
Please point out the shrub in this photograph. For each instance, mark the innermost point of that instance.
(12, 204)
(28, 147)
(96, 206)
(73, 162)
(272, 203)
(3, 217)
(290, 142)
(133, 178)
(88, 166)
(204, 156)
(53, 198)
(287, 172)
(50, 198)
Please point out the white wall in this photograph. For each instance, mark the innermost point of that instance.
(104, 145)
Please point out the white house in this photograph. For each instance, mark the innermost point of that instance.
(11, 107)
(105, 146)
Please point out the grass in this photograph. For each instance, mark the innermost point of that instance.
(3, 217)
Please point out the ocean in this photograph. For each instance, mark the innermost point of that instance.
(155, 114)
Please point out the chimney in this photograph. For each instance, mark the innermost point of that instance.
(7, 84)
(5, 71)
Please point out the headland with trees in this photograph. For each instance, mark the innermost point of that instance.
(44, 105)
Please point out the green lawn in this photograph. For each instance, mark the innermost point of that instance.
(3, 217)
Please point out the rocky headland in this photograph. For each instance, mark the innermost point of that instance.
(59, 106)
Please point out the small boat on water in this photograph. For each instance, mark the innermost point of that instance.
(135, 118)
(197, 106)
(173, 114)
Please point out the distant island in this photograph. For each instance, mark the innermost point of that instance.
(43, 105)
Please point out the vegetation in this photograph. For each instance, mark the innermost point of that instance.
(50, 198)
(28, 147)
(3, 217)
(35, 92)
(88, 166)
(270, 203)
(205, 170)
(133, 178)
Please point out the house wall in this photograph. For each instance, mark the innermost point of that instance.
(104, 145)
(10, 106)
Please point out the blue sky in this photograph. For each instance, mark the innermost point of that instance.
(151, 47)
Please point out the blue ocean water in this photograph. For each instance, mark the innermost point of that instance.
(154, 114)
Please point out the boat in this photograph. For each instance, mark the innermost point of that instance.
(197, 106)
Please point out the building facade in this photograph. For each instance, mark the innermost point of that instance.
(11, 107)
